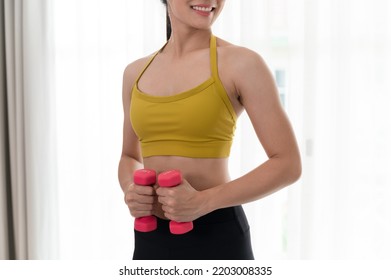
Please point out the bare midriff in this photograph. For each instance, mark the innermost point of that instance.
(201, 173)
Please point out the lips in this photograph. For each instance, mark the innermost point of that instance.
(203, 9)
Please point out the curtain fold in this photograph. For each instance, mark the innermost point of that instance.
(28, 134)
(16, 214)
(4, 158)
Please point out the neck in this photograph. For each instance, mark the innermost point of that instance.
(181, 43)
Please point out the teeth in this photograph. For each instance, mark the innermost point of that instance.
(203, 9)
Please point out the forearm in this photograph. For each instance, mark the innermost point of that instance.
(126, 167)
(271, 176)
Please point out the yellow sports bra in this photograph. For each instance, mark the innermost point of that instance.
(197, 123)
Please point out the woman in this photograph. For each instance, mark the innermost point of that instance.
(183, 103)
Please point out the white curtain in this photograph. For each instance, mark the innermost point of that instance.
(336, 85)
(95, 40)
(346, 189)
(331, 61)
(28, 165)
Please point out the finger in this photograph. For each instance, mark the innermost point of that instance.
(139, 214)
(136, 207)
(165, 200)
(165, 191)
(145, 199)
(134, 198)
(168, 216)
(144, 190)
(175, 217)
(166, 209)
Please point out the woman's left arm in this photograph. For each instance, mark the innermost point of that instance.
(259, 96)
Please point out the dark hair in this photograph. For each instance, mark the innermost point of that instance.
(168, 22)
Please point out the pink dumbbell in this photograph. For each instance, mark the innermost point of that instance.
(171, 179)
(145, 177)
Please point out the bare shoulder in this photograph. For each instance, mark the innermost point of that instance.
(238, 56)
(131, 72)
(133, 69)
(245, 68)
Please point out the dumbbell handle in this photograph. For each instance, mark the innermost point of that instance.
(145, 177)
(169, 179)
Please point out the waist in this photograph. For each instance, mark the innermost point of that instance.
(201, 173)
(222, 215)
(218, 216)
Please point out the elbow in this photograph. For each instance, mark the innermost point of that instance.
(296, 173)
(295, 170)
(290, 170)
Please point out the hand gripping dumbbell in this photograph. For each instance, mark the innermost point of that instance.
(171, 179)
(145, 177)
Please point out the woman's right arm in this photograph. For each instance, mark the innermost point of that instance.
(138, 199)
(131, 156)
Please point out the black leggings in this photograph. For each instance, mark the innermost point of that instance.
(221, 235)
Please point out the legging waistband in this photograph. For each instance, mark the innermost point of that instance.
(218, 216)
